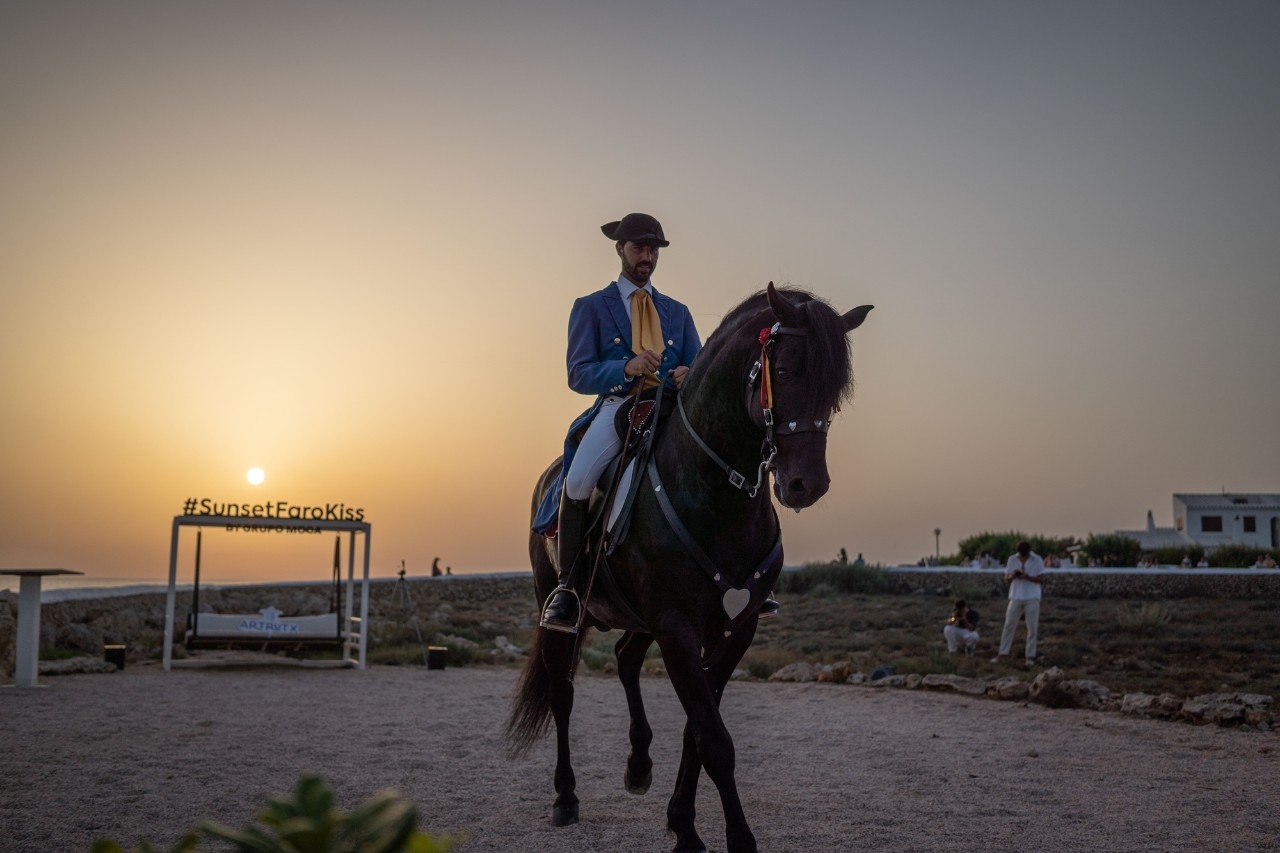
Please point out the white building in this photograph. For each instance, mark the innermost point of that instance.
(1215, 520)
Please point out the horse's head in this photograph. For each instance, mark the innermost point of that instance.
(805, 374)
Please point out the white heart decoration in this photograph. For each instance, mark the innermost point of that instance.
(735, 601)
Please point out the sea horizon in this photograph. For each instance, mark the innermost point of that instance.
(55, 588)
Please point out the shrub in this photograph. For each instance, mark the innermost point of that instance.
(1148, 618)
(834, 578)
(459, 655)
(308, 823)
(1235, 557)
(1112, 549)
(1002, 545)
(64, 654)
(1173, 556)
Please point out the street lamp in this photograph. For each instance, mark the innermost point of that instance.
(937, 546)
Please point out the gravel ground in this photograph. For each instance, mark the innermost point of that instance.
(147, 754)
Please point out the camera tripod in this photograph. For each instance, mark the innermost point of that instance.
(403, 596)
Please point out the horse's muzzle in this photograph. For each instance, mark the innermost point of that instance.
(800, 492)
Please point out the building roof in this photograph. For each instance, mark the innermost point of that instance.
(1229, 500)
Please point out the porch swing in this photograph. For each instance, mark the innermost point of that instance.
(267, 630)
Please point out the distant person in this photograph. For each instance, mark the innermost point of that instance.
(1186, 561)
(1024, 574)
(960, 629)
(844, 556)
(435, 568)
(859, 562)
(1203, 564)
(1268, 562)
(448, 570)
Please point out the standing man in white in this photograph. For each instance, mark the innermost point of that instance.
(1024, 573)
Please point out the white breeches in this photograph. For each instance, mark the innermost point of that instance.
(600, 443)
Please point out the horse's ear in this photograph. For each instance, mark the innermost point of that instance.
(786, 313)
(854, 318)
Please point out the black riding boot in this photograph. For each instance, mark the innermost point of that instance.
(769, 607)
(561, 613)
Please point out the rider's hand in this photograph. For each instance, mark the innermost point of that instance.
(645, 363)
(678, 375)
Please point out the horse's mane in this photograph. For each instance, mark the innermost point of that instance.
(829, 370)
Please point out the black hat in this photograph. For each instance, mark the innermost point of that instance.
(636, 227)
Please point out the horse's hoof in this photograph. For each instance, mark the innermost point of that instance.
(681, 848)
(689, 842)
(637, 784)
(564, 815)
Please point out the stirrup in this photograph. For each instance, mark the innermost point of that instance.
(563, 625)
(769, 607)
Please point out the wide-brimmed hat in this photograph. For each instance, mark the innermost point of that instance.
(636, 227)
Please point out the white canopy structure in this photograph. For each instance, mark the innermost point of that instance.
(268, 625)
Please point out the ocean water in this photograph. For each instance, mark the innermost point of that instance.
(55, 588)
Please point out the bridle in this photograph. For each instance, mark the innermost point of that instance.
(761, 373)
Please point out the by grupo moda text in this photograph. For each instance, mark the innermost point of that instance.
(275, 509)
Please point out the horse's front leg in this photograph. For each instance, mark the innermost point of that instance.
(559, 658)
(630, 652)
(707, 743)
(681, 809)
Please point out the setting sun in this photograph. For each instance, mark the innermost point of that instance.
(255, 476)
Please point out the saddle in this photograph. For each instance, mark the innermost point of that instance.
(632, 418)
(613, 499)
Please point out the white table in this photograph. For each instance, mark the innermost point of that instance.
(26, 664)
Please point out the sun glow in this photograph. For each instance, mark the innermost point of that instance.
(255, 476)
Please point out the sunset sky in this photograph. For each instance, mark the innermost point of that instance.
(340, 241)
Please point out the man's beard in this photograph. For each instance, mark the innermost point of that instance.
(637, 277)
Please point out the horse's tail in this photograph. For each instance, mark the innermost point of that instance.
(552, 660)
(553, 655)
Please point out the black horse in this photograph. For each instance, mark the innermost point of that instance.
(703, 547)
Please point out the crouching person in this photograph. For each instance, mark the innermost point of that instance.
(961, 629)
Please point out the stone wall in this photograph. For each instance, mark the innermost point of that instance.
(1099, 583)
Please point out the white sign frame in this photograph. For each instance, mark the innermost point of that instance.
(355, 636)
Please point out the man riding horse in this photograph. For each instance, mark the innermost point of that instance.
(624, 334)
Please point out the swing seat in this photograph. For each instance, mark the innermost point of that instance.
(265, 630)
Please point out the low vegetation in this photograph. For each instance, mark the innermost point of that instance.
(1184, 646)
(308, 822)
(834, 612)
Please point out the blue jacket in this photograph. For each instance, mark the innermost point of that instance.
(599, 347)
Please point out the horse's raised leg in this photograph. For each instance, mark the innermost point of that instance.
(559, 655)
(707, 743)
(630, 652)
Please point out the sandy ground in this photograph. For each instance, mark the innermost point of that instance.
(146, 754)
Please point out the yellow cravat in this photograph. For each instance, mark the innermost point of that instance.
(646, 328)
